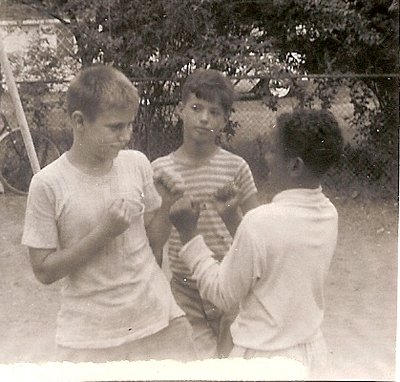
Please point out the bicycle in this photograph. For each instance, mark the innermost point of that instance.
(15, 168)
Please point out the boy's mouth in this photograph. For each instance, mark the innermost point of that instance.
(118, 145)
(204, 130)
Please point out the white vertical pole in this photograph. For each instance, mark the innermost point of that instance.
(12, 87)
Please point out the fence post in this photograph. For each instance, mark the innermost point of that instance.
(26, 135)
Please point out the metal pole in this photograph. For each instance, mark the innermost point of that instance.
(12, 87)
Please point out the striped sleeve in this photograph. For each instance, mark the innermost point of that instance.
(245, 181)
(161, 164)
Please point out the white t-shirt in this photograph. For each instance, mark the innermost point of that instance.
(120, 294)
(275, 270)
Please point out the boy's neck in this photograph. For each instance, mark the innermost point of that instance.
(195, 152)
(87, 164)
(304, 182)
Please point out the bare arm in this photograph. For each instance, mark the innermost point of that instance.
(231, 216)
(158, 226)
(158, 229)
(250, 203)
(184, 215)
(50, 265)
(228, 206)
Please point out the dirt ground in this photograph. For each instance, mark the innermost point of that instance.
(360, 320)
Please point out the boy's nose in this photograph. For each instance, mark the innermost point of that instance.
(204, 115)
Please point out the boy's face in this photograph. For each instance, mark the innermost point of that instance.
(202, 120)
(109, 133)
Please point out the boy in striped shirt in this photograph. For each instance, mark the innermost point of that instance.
(210, 175)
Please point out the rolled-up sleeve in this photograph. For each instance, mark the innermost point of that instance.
(40, 226)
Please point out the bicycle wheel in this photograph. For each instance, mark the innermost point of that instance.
(15, 168)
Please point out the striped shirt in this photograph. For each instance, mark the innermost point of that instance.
(201, 181)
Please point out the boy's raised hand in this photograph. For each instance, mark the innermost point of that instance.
(226, 202)
(226, 199)
(170, 186)
(184, 215)
(116, 218)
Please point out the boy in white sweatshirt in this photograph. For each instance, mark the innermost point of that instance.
(280, 256)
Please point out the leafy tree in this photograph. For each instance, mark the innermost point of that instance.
(339, 37)
(162, 40)
(42, 73)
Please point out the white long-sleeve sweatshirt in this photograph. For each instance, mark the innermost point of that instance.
(275, 270)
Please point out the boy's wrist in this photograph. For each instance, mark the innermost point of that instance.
(166, 205)
(101, 235)
(187, 235)
(97, 232)
(164, 210)
(231, 215)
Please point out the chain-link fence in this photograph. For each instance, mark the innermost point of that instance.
(369, 163)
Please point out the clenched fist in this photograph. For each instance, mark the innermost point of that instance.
(117, 218)
(184, 215)
(226, 199)
(170, 186)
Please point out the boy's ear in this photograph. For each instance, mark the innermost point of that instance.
(77, 119)
(296, 167)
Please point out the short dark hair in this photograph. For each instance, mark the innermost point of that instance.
(99, 87)
(312, 135)
(210, 85)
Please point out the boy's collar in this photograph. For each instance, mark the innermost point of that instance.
(182, 156)
(297, 192)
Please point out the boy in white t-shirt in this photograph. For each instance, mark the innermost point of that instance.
(207, 170)
(281, 253)
(92, 219)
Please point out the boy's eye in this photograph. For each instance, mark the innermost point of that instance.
(213, 112)
(121, 126)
